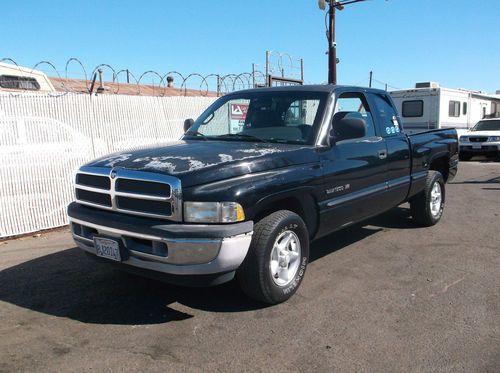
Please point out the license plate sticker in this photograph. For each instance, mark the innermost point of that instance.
(107, 248)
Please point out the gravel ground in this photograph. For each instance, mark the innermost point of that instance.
(382, 296)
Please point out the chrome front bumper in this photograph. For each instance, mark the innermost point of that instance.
(176, 256)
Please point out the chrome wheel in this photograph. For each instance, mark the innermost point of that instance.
(285, 258)
(436, 199)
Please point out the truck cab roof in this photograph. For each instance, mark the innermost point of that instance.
(328, 88)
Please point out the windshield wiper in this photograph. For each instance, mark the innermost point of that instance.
(287, 141)
(241, 135)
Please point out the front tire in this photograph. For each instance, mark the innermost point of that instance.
(277, 258)
(427, 207)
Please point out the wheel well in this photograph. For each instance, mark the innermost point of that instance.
(305, 207)
(441, 164)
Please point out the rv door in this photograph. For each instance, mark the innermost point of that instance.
(433, 113)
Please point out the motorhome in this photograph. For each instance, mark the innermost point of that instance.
(429, 106)
(17, 78)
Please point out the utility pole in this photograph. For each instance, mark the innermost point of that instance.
(332, 46)
(267, 68)
(334, 5)
(371, 77)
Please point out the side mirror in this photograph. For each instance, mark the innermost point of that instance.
(347, 129)
(187, 124)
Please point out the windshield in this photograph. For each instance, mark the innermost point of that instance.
(285, 117)
(487, 125)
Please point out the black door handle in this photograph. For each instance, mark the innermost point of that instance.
(382, 154)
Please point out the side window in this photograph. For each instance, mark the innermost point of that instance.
(464, 108)
(454, 109)
(413, 108)
(354, 105)
(389, 123)
(301, 112)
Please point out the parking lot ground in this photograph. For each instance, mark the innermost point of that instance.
(382, 296)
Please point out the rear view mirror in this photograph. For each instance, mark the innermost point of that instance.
(347, 128)
(187, 124)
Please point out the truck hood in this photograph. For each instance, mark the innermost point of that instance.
(198, 162)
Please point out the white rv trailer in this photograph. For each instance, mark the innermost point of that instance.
(17, 78)
(429, 106)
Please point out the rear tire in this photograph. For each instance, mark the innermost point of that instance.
(427, 207)
(277, 258)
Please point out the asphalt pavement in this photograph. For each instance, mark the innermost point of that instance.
(382, 296)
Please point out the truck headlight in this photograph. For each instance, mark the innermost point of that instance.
(464, 138)
(213, 212)
(494, 138)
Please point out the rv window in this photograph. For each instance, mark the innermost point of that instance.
(19, 82)
(412, 109)
(465, 108)
(454, 109)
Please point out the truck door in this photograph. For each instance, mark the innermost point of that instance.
(397, 165)
(353, 183)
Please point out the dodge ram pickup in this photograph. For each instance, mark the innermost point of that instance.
(257, 177)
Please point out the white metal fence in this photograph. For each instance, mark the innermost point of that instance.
(45, 138)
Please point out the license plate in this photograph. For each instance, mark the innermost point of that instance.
(107, 248)
(476, 146)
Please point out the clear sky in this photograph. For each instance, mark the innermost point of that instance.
(453, 42)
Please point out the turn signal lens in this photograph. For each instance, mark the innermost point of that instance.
(231, 212)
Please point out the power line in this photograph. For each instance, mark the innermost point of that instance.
(385, 83)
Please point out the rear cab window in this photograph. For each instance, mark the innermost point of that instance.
(389, 123)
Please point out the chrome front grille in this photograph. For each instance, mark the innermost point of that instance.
(131, 192)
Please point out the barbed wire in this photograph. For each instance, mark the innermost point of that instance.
(110, 80)
(284, 64)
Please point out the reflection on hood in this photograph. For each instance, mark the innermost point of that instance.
(202, 160)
